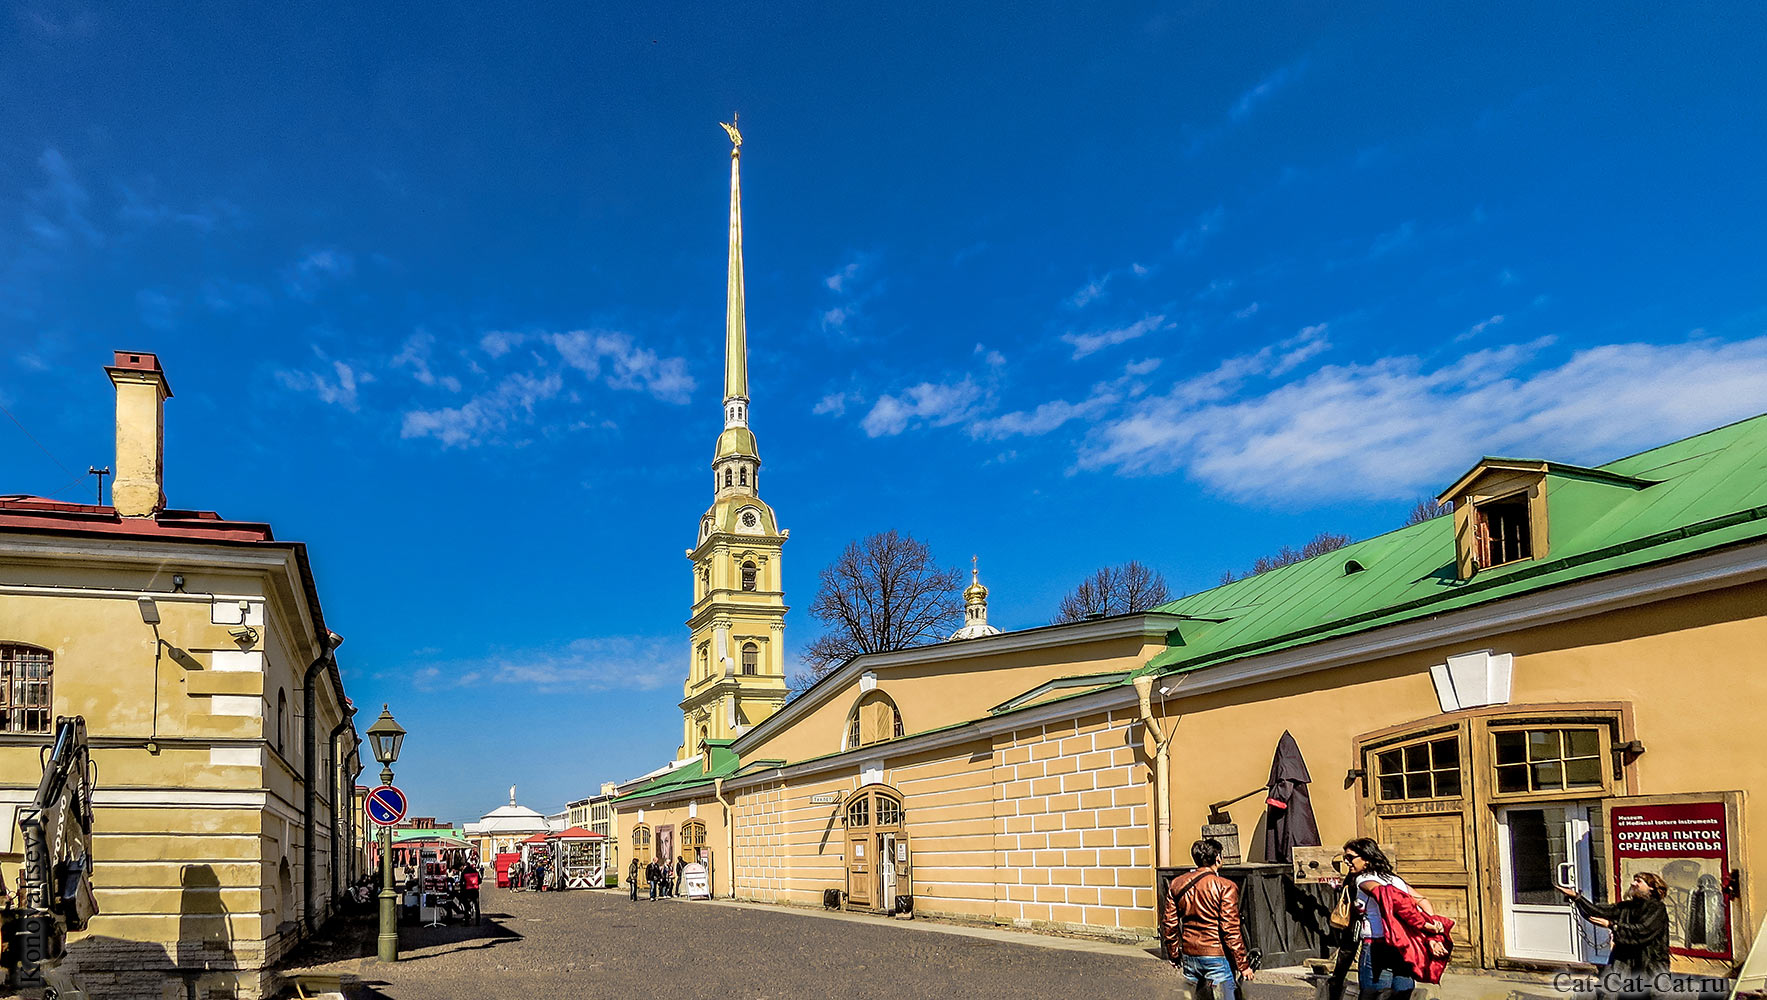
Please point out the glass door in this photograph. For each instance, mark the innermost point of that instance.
(1539, 848)
(886, 860)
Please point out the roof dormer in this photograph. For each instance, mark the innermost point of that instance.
(1500, 508)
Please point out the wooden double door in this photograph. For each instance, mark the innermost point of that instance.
(876, 849)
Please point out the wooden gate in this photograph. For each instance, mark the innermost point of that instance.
(872, 814)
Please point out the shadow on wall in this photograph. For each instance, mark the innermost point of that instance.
(205, 941)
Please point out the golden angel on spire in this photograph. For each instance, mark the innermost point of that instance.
(730, 128)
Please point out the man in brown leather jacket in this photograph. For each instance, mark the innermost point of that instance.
(1200, 924)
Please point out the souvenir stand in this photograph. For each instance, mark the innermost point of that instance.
(578, 861)
(535, 851)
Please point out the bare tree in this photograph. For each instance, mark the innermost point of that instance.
(884, 592)
(1426, 509)
(1288, 555)
(1114, 590)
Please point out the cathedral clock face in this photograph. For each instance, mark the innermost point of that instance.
(749, 519)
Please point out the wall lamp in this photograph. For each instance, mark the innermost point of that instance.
(1354, 775)
(150, 611)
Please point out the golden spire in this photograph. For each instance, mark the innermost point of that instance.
(736, 361)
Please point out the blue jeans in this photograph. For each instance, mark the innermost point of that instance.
(1384, 971)
(1216, 970)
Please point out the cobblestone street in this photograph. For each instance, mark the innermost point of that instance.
(595, 944)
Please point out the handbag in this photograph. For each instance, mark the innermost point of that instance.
(1343, 912)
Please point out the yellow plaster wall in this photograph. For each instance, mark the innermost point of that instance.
(946, 692)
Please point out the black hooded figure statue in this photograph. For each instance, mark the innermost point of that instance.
(1288, 816)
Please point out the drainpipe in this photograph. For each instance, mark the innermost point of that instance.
(337, 767)
(1161, 774)
(729, 831)
(310, 701)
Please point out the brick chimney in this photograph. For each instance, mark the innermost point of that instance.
(139, 489)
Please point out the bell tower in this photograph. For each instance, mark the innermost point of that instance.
(736, 653)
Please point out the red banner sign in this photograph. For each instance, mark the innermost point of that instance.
(1688, 844)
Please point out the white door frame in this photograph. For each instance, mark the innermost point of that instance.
(1551, 932)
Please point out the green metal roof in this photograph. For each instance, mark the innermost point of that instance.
(1693, 495)
(724, 764)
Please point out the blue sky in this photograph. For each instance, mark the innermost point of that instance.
(440, 293)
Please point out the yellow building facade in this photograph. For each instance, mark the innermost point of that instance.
(196, 650)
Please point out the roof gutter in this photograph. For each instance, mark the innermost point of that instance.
(347, 722)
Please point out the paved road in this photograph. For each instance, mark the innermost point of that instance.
(542, 946)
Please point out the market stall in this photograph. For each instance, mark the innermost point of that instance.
(578, 859)
(536, 854)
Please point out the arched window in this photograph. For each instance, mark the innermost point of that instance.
(748, 576)
(742, 475)
(751, 659)
(726, 477)
(693, 839)
(281, 719)
(703, 733)
(641, 844)
(705, 659)
(24, 688)
(874, 719)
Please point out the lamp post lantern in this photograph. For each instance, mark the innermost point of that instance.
(384, 737)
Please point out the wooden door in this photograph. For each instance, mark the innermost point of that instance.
(859, 868)
(1417, 800)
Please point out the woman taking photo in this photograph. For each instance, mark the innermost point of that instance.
(1385, 971)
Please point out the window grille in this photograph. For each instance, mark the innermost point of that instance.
(25, 673)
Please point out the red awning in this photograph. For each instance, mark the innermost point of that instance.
(576, 833)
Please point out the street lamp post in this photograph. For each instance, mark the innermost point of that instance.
(385, 737)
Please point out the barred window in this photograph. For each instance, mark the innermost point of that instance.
(751, 658)
(24, 688)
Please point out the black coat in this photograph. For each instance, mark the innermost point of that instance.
(1288, 819)
(1641, 933)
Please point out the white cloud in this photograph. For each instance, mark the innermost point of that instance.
(1264, 89)
(1247, 313)
(603, 663)
(1098, 340)
(833, 405)
(934, 404)
(339, 387)
(1389, 428)
(497, 343)
(989, 356)
(838, 281)
(304, 278)
(481, 418)
(1045, 418)
(628, 365)
(1480, 327)
(835, 319)
(415, 356)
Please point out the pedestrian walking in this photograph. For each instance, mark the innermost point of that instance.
(1385, 971)
(650, 875)
(1640, 928)
(680, 869)
(469, 894)
(1200, 922)
(632, 877)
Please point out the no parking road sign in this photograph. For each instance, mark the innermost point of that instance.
(386, 805)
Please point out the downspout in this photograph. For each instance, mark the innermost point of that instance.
(1161, 772)
(729, 831)
(338, 767)
(310, 702)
